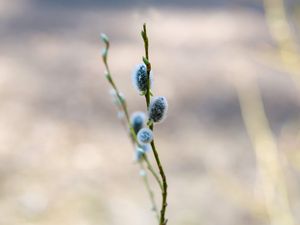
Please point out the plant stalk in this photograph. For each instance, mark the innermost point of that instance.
(133, 134)
(163, 220)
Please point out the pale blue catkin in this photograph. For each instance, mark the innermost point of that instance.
(140, 78)
(139, 152)
(138, 120)
(158, 109)
(145, 136)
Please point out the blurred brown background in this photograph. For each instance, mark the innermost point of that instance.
(65, 158)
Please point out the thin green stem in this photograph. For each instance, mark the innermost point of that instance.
(145, 158)
(121, 100)
(164, 204)
(150, 168)
(145, 176)
(146, 61)
(150, 192)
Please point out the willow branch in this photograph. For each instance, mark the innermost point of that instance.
(164, 204)
(123, 106)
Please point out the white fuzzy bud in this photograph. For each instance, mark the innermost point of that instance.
(145, 136)
(138, 120)
(140, 78)
(158, 109)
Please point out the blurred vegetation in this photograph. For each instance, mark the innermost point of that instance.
(230, 145)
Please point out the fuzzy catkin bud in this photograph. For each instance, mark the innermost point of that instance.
(118, 100)
(137, 121)
(158, 109)
(104, 38)
(146, 147)
(142, 173)
(120, 115)
(145, 136)
(140, 79)
(139, 152)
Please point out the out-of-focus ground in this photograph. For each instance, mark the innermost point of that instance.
(65, 158)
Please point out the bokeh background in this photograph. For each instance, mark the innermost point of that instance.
(230, 144)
